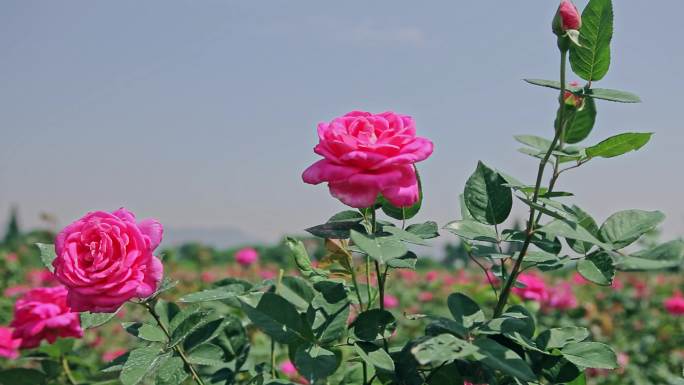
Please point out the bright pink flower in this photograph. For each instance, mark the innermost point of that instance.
(112, 354)
(534, 290)
(567, 17)
(42, 313)
(288, 369)
(105, 259)
(425, 296)
(41, 277)
(408, 275)
(675, 304)
(579, 280)
(246, 256)
(617, 284)
(16, 290)
(268, 274)
(432, 275)
(11, 257)
(9, 346)
(390, 301)
(369, 154)
(561, 297)
(207, 276)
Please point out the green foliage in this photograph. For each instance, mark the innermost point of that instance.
(487, 197)
(591, 59)
(618, 145)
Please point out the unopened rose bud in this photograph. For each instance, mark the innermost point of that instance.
(572, 100)
(567, 18)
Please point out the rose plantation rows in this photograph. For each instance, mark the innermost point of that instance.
(556, 298)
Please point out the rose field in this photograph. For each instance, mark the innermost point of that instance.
(521, 286)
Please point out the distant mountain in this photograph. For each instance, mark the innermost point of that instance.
(220, 237)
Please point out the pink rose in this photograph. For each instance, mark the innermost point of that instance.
(9, 346)
(390, 301)
(432, 275)
(41, 277)
(369, 154)
(288, 369)
(561, 297)
(534, 290)
(247, 256)
(567, 17)
(675, 304)
(11, 258)
(425, 296)
(106, 259)
(42, 313)
(112, 354)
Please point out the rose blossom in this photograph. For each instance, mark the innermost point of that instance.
(288, 369)
(367, 155)
(390, 301)
(561, 297)
(42, 313)
(105, 259)
(112, 355)
(425, 296)
(567, 17)
(247, 256)
(675, 304)
(535, 288)
(8, 345)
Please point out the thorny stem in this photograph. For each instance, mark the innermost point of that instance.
(177, 348)
(67, 371)
(532, 221)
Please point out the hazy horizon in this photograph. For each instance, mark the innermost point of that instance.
(204, 115)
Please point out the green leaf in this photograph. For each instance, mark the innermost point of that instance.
(315, 363)
(210, 328)
(574, 231)
(192, 319)
(405, 235)
(278, 318)
(92, 320)
(297, 291)
(619, 144)
(623, 228)
(559, 337)
(580, 380)
(590, 355)
(346, 216)
(475, 231)
(22, 376)
(380, 248)
(426, 230)
(499, 357)
(594, 93)
(144, 331)
(171, 372)
(406, 261)
(487, 197)
(442, 348)
(139, 363)
(581, 123)
(612, 95)
(207, 355)
(374, 356)
(598, 267)
(591, 59)
(47, 255)
(465, 311)
(403, 213)
(166, 311)
(220, 293)
(631, 263)
(536, 142)
(370, 324)
(583, 219)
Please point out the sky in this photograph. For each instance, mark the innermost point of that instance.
(204, 113)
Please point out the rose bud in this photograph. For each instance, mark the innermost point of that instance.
(567, 18)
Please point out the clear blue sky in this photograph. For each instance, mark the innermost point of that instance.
(203, 113)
